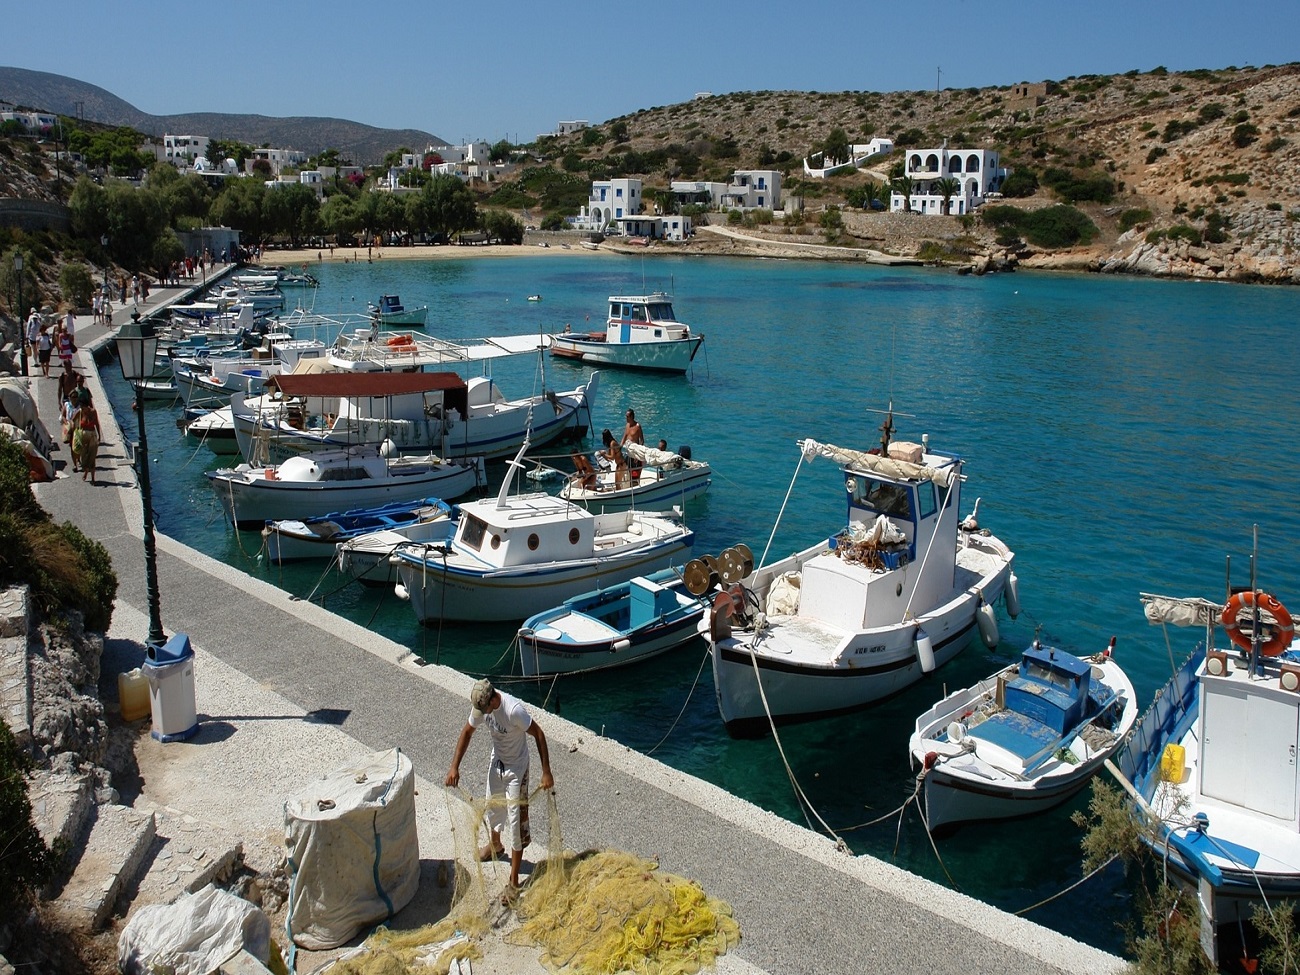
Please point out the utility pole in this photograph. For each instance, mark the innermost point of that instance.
(937, 73)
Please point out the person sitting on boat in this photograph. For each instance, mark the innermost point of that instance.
(584, 473)
(507, 787)
(614, 454)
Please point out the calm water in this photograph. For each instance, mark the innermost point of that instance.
(1124, 436)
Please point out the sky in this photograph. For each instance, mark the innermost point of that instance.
(502, 69)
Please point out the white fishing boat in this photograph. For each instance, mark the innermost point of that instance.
(212, 380)
(368, 558)
(417, 411)
(294, 539)
(641, 333)
(654, 480)
(337, 480)
(515, 556)
(213, 428)
(860, 615)
(1023, 740)
(389, 312)
(612, 626)
(1212, 763)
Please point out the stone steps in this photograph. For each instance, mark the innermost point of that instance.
(110, 861)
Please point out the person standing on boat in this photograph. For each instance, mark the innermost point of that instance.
(507, 787)
(632, 433)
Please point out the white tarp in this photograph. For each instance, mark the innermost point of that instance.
(899, 470)
(194, 935)
(354, 858)
(1180, 611)
(650, 456)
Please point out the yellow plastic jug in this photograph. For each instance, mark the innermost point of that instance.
(133, 692)
(1173, 763)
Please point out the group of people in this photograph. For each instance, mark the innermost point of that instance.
(611, 456)
(80, 421)
(43, 341)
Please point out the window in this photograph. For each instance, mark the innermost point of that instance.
(574, 536)
(618, 193)
(925, 501)
(475, 529)
(762, 183)
(973, 164)
(533, 542)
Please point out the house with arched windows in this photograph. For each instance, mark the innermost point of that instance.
(975, 172)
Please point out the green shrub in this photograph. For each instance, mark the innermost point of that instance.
(1244, 134)
(1052, 227)
(25, 862)
(1273, 145)
(1274, 206)
(1183, 232)
(1021, 183)
(1077, 188)
(1216, 227)
(1155, 153)
(1131, 218)
(76, 284)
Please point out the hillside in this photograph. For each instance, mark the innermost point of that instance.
(362, 144)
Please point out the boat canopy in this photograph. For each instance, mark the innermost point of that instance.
(899, 470)
(355, 384)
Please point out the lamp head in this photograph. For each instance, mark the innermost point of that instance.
(18, 262)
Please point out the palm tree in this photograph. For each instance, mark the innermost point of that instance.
(947, 188)
(902, 185)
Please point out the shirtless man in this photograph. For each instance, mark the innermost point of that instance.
(632, 433)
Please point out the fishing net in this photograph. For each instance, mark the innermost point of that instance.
(593, 913)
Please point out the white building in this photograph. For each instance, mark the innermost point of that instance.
(610, 199)
(568, 128)
(31, 121)
(671, 227)
(753, 189)
(976, 171)
(279, 159)
(690, 191)
(183, 150)
(815, 167)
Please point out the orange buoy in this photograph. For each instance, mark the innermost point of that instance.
(1283, 627)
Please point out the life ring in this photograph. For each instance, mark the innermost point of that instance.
(1283, 628)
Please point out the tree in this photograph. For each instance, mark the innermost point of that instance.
(903, 185)
(76, 284)
(167, 250)
(836, 147)
(502, 227)
(501, 151)
(338, 216)
(291, 210)
(618, 131)
(947, 188)
(239, 205)
(451, 205)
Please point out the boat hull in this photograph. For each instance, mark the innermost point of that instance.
(368, 558)
(669, 489)
(671, 357)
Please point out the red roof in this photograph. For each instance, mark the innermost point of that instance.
(357, 384)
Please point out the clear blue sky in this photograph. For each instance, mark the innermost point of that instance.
(504, 69)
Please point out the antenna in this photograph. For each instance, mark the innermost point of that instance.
(937, 73)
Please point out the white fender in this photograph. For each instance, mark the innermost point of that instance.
(401, 593)
(924, 650)
(1011, 596)
(988, 624)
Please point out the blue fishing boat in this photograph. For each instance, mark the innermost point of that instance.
(291, 540)
(611, 627)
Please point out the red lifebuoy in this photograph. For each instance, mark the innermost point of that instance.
(1283, 627)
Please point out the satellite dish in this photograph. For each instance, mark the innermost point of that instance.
(696, 577)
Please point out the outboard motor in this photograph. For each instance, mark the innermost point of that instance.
(684, 452)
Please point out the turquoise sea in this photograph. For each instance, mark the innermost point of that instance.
(1124, 436)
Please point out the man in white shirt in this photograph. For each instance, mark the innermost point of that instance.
(510, 724)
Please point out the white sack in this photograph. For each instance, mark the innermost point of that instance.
(194, 935)
(354, 857)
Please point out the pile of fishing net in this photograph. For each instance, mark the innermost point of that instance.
(607, 911)
(593, 913)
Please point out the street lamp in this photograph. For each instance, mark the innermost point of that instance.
(103, 242)
(136, 347)
(22, 322)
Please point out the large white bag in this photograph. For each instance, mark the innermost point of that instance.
(354, 857)
(194, 935)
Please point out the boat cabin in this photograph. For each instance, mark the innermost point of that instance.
(390, 305)
(644, 318)
(513, 534)
(1051, 688)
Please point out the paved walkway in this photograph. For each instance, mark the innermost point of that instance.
(266, 662)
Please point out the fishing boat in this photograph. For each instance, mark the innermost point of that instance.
(1212, 762)
(1023, 740)
(389, 312)
(337, 480)
(856, 617)
(368, 558)
(417, 411)
(289, 540)
(611, 626)
(213, 428)
(641, 333)
(515, 556)
(655, 480)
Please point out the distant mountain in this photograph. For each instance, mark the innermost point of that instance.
(363, 144)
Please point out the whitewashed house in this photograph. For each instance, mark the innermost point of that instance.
(976, 171)
(279, 159)
(673, 226)
(182, 150)
(706, 192)
(610, 199)
(753, 189)
(815, 166)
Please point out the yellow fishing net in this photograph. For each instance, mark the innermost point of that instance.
(594, 913)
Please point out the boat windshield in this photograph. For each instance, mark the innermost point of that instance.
(884, 497)
(661, 311)
(474, 531)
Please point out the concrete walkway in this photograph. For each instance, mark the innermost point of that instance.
(268, 666)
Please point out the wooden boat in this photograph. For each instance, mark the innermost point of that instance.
(612, 626)
(368, 558)
(289, 540)
(1023, 740)
(1211, 765)
(656, 480)
(512, 557)
(641, 333)
(860, 615)
(337, 480)
(389, 312)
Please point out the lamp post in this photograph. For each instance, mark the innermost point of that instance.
(22, 322)
(136, 347)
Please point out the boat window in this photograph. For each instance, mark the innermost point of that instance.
(883, 496)
(638, 313)
(574, 536)
(533, 542)
(1047, 675)
(496, 541)
(615, 310)
(662, 312)
(475, 529)
(926, 505)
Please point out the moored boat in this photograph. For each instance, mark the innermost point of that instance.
(641, 333)
(289, 540)
(1023, 740)
(611, 626)
(337, 480)
(1211, 764)
(389, 312)
(655, 480)
(860, 615)
(515, 556)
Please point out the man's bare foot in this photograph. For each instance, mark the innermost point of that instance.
(490, 852)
